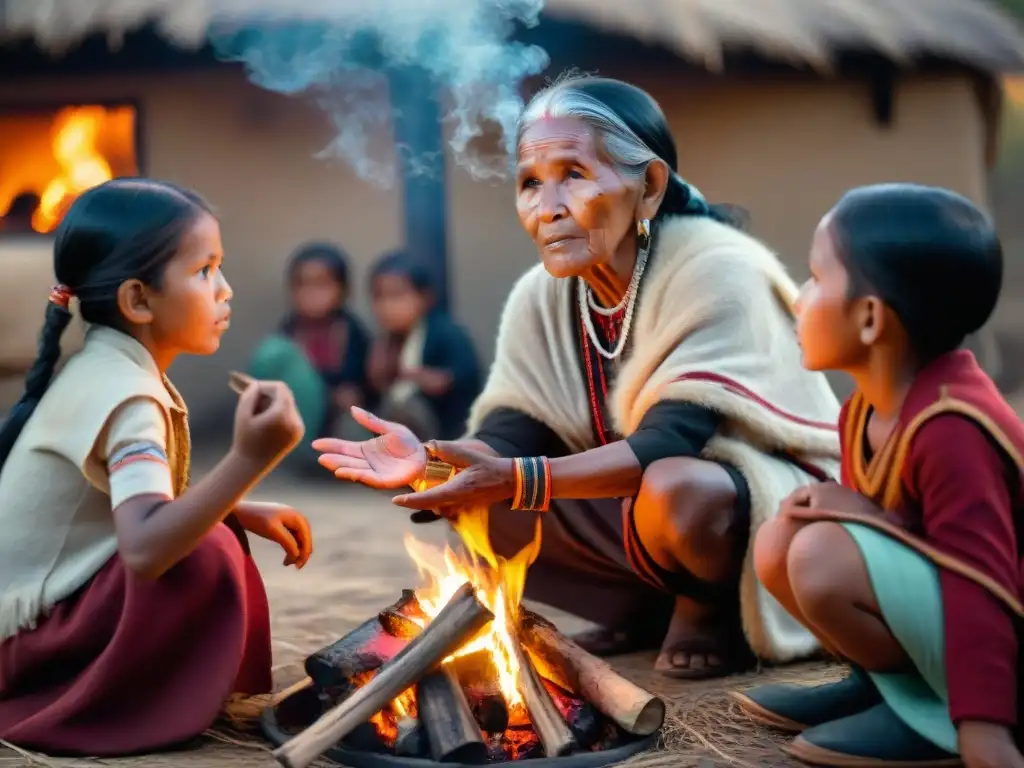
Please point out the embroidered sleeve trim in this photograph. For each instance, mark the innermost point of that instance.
(135, 452)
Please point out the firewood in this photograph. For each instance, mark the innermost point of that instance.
(567, 665)
(452, 731)
(362, 650)
(479, 679)
(513, 745)
(581, 716)
(457, 623)
(399, 625)
(552, 730)
(411, 741)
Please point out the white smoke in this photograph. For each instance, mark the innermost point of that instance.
(339, 52)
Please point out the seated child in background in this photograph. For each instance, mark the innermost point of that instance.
(910, 570)
(423, 367)
(320, 349)
(129, 612)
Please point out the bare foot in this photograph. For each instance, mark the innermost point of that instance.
(703, 641)
(610, 642)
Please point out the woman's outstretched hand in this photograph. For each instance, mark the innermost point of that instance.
(482, 480)
(391, 460)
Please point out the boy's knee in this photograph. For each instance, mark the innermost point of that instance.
(771, 551)
(816, 567)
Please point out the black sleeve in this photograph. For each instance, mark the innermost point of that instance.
(673, 428)
(512, 433)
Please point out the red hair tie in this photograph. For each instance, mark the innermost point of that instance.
(61, 296)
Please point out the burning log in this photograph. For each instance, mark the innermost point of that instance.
(411, 739)
(582, 717)
(514, 745)
(452, 731)
(570, 667)
(367, 647)
(462, 617)
(479, 679)
(554, 734)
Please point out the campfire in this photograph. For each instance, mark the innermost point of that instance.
(457, 671)
(60, 155)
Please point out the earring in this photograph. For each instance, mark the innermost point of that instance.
(643, 233)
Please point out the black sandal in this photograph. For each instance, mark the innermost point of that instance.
(794, 708)
(875, 738)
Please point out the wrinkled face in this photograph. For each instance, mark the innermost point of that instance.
(827, 318)
(571, 200)
(191, 310)
(397, 305)
(316, 292)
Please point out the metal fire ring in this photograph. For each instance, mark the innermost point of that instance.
(358, 759)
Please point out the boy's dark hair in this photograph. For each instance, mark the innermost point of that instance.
(121, 230)
(928, 253)
(401, 263)
(326, 253)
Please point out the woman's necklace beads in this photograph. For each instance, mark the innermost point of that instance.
(587, 301)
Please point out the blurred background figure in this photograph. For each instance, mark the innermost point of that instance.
(423, 368)
(18, 219)
(320, 348)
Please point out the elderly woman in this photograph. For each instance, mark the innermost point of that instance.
(646, 399)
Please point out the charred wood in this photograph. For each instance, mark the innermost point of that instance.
(362, 650)
(452, 731)
(581, 716)
(566, 664)
(411, 740)
(458, 621)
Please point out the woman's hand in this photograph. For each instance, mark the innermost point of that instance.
(481, 480)
(391, 460)
(280, 524)
(988, 745)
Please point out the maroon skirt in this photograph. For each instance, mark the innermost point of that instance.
(127, 665)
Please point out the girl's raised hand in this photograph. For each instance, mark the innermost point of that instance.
(267, 422)
(393, 459)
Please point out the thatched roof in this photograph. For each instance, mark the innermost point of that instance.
(972, 32)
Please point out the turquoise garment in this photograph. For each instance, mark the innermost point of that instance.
(906, 586)
(278, 358)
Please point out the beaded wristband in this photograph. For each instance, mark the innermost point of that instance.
(533, 484)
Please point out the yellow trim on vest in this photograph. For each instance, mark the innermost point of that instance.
(890, 473)
(870, 478)
(945, 404)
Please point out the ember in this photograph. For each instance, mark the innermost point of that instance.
(458, 671)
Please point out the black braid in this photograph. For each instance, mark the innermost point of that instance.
(38, 379)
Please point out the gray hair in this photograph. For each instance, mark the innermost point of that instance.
(624, 148)
(628, 153)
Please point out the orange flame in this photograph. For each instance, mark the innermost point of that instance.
(499, 581)
(76, 131)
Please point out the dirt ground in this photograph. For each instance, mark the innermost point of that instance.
(359, 565)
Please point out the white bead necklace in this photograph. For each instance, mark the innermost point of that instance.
(586, 301)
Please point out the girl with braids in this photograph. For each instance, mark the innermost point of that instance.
(646, 399)
(129, 612)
